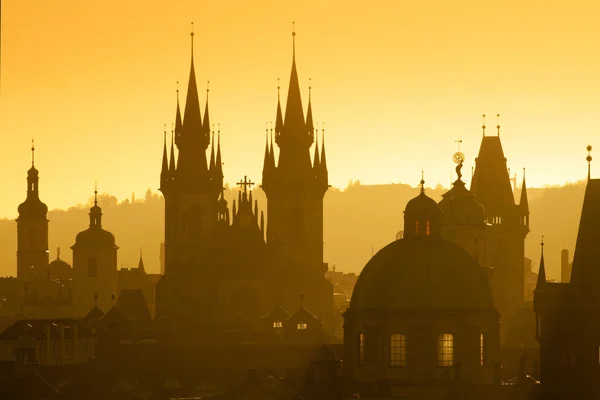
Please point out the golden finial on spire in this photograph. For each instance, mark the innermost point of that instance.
(589, 159)
(542, 244)
(422, 181)
(294, 40)
(32, 152)
(483, 126)
(192, 35)
(309, 88)
(498, 126)
(96, 193)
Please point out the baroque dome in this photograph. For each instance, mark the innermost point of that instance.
(422, 273)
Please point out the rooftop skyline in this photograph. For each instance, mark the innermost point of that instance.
(396, 85)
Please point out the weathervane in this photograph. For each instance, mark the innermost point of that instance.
(458, 158)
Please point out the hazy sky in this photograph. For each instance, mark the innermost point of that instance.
(396, 84)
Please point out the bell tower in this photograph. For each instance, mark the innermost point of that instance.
(295, 188)
(32, 230)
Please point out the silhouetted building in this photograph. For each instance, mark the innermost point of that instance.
(509, 223)
(422, 314)
(137, 278)
(295, 188)
(47, 342)
(94, 265)
(219, 271)
(568, 314)
(32, 231)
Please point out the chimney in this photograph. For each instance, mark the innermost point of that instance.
(565, 267)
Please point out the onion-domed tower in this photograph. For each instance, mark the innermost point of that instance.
(94, 265)
(32, 230)
(422, 312)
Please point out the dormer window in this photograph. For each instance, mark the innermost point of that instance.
(277, 324)
(302, 326)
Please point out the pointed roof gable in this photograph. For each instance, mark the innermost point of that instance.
(279, 117)
(165, 159)
(218, 162)
(587, 251)
(491, 183)
(211, 164)
(206, 125)
(172, 166)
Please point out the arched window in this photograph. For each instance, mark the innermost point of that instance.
(427, 228)
(361, 349)
(397, 350)
(445, 350)
(416, 228)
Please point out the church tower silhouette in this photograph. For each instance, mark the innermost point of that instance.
(295, 188)
(32, 230)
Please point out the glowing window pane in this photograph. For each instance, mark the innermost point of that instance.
(302, 325)
(397, 350)
(417, 228)
(277, 324)
(428, 228)
(481, 349)
(445, 350)
(361, 349)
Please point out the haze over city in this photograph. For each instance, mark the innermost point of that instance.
(395, 85)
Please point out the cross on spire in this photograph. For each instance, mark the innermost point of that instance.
(458, 142)
(245, 183)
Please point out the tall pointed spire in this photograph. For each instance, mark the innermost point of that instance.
(141, 262)
(294, 115)
(165, 161)
(211, 165)
(218, 162)
(267, 152)
(272, 151)
(323, 160)
(192, 121)
(172, 166)
(206, 126)
(279, 116)
(178, 123)
(309, 117)
(541, 280)
(316, 158)
(523, 202)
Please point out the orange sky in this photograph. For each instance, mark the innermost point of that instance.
(395, 84)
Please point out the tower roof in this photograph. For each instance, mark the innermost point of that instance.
(541, 280)
(587, 252)
(192, 121)
(523, 202)
(491, 182)
(294, 114)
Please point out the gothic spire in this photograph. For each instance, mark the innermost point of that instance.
(541, 280)
(316, 162)
(523, 202)
(294, 116)
(173, 164)
(211, 165)
(279, 117)
(192, 121)
(218, 162)
(323, 160)
(266, 165)
(309, 117)
(272, 151)
(178, 123)
(141, 263)
(206, 126)
(165, 160)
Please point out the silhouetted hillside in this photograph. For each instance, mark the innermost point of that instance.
(359, 219)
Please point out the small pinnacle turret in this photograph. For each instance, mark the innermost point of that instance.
(541, 280)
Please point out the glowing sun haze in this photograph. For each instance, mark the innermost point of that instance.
(395, 83)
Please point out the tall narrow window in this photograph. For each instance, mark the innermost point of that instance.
(482, 349)
(417, 228)
(427, 228)
(445, 350)
(361, 349)
(397, 350)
